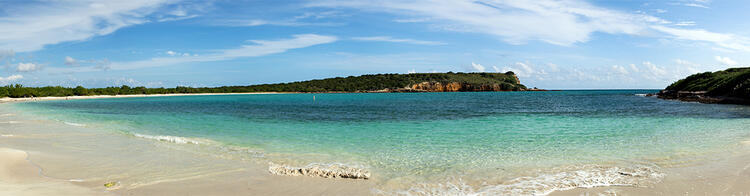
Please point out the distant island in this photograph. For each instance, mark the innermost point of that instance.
(374, 83)
(731, 86)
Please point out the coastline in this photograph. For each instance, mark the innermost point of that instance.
(700, 97)
(43, 157)
(8, 99)
(232, 177)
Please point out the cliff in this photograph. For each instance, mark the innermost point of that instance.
(731, 86)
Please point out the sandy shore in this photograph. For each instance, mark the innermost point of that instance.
(42, 157)
(8, 99)
(20, 177)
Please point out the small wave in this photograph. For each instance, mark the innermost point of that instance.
(569, 178)
(74, 124)
(173, 139)
(8, 114)
(11, 122)
(335, 170)
(641, 95)
(6, 135)
(75, 180)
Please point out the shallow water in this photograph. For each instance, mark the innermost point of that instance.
(422, 143)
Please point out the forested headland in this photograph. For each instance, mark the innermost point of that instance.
(415, 82)
(727, 86)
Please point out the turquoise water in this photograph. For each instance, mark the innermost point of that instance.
(429, 137)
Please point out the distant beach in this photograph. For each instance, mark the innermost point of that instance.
(9, 99)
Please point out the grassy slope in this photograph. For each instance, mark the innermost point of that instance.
(734, 82)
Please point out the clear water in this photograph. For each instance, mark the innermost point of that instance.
(429, 137)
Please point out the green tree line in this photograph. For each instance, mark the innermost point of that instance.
(733, 82)
(339, 84)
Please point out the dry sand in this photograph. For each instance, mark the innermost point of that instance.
(8, 99)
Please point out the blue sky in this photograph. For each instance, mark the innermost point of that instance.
(571, 44)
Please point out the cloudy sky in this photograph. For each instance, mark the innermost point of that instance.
(571, 44)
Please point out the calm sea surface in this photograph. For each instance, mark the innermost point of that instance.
(505, 138)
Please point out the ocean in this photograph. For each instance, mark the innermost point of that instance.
(423, 143)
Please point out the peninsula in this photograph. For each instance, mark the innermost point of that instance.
(375, 83)
(731, 86)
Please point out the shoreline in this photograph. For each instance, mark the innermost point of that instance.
(10, 100)
(25, 99)
(725, 169)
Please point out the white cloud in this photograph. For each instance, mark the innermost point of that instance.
(726, 41)
(556, 22)
(11, 78)
(634, 68)
(27, 67)
(412, 71)
(695, 5)
(171, 53)
(396, 40)
(496, 68)
(620, 69)
(306, 19)
(725, 61)
(660, 11)
(685, 23)
(477, 67)
(71, 61)
(654, 69)
(30, 26)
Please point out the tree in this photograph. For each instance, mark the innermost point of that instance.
(80, 91)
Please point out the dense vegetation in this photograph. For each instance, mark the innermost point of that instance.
(508, 81)
(734, 82)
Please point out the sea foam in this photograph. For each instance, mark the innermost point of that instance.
(335, 170)
(74, 124)
(564, 179)
(173, 139)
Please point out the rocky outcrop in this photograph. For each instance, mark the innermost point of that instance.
(455, 87)
(700, 96)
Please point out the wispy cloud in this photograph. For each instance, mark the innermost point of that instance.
(397, 40)
(258, 48)
(685, 23)
(305, 19)
(727, 41)
(725, 61)
(31, 26)
(556, 22)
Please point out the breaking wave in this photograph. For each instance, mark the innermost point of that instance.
(174, 139)
(335, 170)
(74, 124)
(562, 179)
